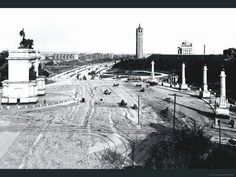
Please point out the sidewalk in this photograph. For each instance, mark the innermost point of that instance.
(225, 125)
(224, 122)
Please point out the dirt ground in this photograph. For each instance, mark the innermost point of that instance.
(75, 135)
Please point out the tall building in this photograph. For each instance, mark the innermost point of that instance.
(139, 42)
(185, 48)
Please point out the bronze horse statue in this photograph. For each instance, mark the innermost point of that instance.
(26, 43)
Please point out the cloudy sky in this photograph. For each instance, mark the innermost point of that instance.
(113, 30)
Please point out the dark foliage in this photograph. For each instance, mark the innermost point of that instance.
(32, 73)
(222, 157)
(113, 159)
(3, 65)
(42, 72)
(185, 149)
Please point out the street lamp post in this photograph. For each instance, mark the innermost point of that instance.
(219, 132)
(174, 113)
(175, 95)
(138, 109)
(133, 148)
(210, 96)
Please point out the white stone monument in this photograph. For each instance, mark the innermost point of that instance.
(205, 92)
(222, 108)
(153, 71)
(183, 85)
(20, 88)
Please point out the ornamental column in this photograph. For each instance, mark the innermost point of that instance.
(205, 93)
(153, 71)
(183, 84)
(222, 108)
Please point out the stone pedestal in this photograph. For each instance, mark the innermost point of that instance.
(224, 112)
(205, 94)
(19, 92)
(41, 85)
(18, 88)
(222, 109)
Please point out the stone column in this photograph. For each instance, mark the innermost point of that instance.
(205, 93)
(205, 87)
(153, 71)
(183, 74)
(223, 109)
(222, 89)
(183, 85)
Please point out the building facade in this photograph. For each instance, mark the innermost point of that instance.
(65, 56)
(139, 42)
(185, 48)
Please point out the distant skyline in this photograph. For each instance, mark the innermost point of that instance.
(113, 30)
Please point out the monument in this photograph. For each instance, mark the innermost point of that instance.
(222, 107)
(153, 71)
(139, 42)
(183, 85)
(23, 84)
(204, 93)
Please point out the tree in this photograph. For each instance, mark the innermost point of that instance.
(32, 73)
(113, 159)
(185, 149)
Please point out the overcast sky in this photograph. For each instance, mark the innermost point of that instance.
(113, 30)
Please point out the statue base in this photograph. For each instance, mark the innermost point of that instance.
(205, 94)
(41, 85)
(222, 112)
(18, 88)
(19, 92)
(184, 87)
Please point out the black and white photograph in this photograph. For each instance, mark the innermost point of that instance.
(117, 88)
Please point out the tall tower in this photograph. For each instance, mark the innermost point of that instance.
(139, 42)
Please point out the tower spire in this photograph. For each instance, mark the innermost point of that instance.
(139, 42)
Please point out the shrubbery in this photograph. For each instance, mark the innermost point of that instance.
(190, 148)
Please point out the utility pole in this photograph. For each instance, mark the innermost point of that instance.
(133, 147)
(138, 109)
(210, 96)
(219, 133)
(174, 113)
(175, 95)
